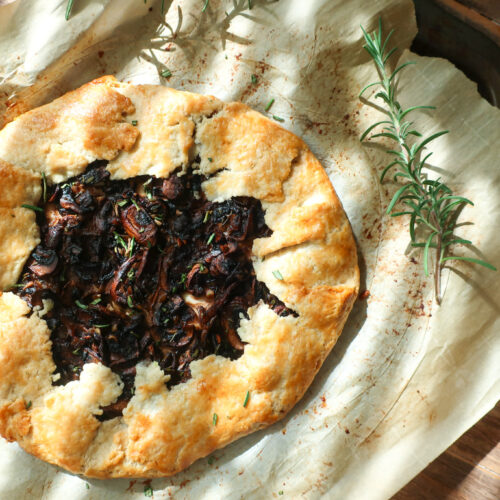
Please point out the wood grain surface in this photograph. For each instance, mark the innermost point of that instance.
(467, 470)
(470, 468)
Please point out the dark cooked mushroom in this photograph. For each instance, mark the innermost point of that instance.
(80, 201)
(172, 187)
(119, 287)
(138, 224)
(44, 261)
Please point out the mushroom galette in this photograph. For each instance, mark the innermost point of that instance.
(175, 271)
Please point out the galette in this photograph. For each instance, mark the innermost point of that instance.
(174, 269)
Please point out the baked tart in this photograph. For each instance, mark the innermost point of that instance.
(174, 270)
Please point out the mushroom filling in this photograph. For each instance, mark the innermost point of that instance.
(143, 269)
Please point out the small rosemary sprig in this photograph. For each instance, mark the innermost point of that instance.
(431, 205)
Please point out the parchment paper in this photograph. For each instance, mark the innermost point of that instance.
(407, 378)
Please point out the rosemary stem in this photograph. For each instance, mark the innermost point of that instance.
(437, 270)
(435, 223)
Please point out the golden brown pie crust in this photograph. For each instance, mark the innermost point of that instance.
(163, 431)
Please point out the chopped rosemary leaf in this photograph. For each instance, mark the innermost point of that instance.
(280, 492)
(247, 397)
(148, 491)
(254, 79)
(207, 216)
(102, 326)
(31, 207)
(278, 118)
(96, 301)
(130, 302)
(121, 203)
(75, 368)
(211, 238)
(210, 159)
(69, 6)
(76, 351)
(278, 275)
(80, 305)
(120, 240)
(87, 485)
(215, 418)
(211, 460)
(135, 204)
(269, 104)
(134, 123)
(28, 405)
(205, 6)
(131, 247)
(166, 73)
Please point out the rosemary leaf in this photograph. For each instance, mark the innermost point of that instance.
(269, 104)
(69, 6)
(32, 207)
(247, 397)
(472, 260)
(277, 274)
(81, 305)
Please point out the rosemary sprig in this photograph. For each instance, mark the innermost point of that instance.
(431, 204)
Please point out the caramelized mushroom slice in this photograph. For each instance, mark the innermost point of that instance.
(139, 225)
(44, 261)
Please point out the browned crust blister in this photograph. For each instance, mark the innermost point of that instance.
(163, 431)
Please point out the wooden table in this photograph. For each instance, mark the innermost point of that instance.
(467, 470)
(468, 33)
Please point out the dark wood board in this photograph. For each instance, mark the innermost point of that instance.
(460, 33)
(466, 32)
(467, 470)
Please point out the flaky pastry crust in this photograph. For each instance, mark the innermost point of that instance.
(163, 431)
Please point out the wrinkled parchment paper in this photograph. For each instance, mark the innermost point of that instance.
(407, 378)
